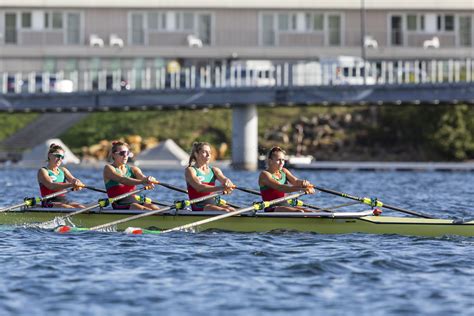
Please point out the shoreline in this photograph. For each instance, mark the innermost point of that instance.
(370, 166)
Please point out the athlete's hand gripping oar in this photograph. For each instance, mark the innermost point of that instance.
(139, 198)
(371, 202)
(175, 188)
(292, 202)
(255, 207)
(100, 203)
(32, 201)
(177, 205)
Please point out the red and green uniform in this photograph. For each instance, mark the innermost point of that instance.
(269, 194)
(115, 188)
(208, 179)
(55, 178)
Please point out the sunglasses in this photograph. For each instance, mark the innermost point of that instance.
(123, 153)
(59, 156)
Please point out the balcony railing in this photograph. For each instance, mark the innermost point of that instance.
(243, 74)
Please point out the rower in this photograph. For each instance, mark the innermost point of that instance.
(120, 178)
(276, 180)
(54, 178)
(201, 180)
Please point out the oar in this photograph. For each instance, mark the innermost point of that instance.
(100, 203)
(35, 200)
(172, 187)
(256, 207)
(177, 205)
(314, 207)
(371, 202)
(137, 197)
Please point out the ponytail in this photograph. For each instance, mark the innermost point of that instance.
(197, 146)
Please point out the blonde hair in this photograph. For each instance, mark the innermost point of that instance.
(197, 146)
(116, 144)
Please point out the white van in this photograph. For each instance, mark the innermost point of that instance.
(259, 73)
(348, 70)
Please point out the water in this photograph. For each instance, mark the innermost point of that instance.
(216, 273)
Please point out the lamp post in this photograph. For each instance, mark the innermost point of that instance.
(362, 35)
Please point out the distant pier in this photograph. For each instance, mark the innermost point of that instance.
(386, 166)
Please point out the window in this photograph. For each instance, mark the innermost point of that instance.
(446, 23)
(334, 30)
(308, 22)
(411, 23)
(153, 21)
(26, 20)
(318, 22)
(10, 28)
(188, 21)
(294, 22)
(73, 34)
(449, 23)
(138, 32)
(465, 31)
(57, 20)
(283, 22)
(46, 20)
(422, 22)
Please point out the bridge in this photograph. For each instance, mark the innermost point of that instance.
(243, 89)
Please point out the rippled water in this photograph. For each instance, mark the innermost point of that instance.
(222, 273)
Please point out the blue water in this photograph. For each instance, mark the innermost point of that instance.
(222, 273)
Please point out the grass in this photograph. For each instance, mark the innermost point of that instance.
(14, 122)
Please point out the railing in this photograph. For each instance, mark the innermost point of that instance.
(244, 74)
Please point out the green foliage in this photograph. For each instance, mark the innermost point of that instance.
(10, 123)
(440, 132)
(455, 133)
(184, 127)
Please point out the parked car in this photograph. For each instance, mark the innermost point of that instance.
(55, 85)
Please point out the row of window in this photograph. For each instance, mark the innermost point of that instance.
(430, 22)
(201, 23)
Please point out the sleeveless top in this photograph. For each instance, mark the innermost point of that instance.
(209, 179)
(115, 188)
(268, 193)
(55, 178)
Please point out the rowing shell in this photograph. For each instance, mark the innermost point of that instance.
(322, 222)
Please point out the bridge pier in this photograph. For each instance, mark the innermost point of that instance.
(245, 137)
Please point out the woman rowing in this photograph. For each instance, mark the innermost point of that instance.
(120, 178)
(54, 178)
(276, 181)
(201, 180)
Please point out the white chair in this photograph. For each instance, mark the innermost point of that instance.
(114, 40)
(432, 43)
(194, 41)
(96, 41)
(370, 42)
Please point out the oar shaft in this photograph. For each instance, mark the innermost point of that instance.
(111, 200)
(12, 207)
(172, 187)
(237, 212)
(365, 201)
(104, 191)
(49, 196)
(131, 218)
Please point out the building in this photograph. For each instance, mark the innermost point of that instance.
(52, 35)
